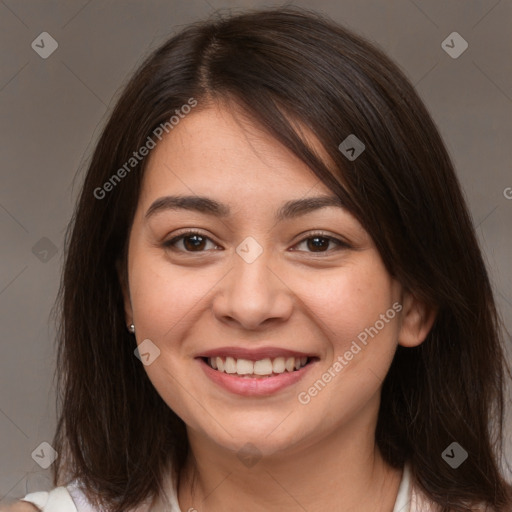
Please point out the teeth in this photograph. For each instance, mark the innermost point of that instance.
(244, 367)
(230, 365)
(278, 365)
(263, 367)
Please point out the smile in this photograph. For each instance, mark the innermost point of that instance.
(263, 368)
(260, 372)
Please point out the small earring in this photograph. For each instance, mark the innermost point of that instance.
(131, 328)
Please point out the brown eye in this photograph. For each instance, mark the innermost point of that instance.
(191, 242)
(320, 243)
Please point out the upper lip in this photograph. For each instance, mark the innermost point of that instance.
(255, 354)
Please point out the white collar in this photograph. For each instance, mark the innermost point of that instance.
(403, 499)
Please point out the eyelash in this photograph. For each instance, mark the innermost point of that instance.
(319, 234)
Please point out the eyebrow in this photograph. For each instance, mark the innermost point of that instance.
(289, 210)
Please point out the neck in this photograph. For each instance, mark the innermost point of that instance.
(343, 472)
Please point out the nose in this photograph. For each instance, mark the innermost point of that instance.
(253, 295)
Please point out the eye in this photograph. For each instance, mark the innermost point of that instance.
(317, 242)
(193, 241)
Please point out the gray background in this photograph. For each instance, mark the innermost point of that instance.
(52, 110)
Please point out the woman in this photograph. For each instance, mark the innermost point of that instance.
(273, 296)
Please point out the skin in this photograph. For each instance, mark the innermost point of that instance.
(319, 456)
(20, 506)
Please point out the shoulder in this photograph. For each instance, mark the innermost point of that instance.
(19, 506)
(57, 499)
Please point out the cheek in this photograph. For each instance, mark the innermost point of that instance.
(348, 300)
(349, 306)
(163, 299)
(163, 294)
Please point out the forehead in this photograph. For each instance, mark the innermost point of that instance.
(219, 149)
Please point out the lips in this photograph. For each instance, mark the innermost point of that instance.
(255, 372)
(253, 354)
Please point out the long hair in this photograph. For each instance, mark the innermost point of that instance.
(287, 68)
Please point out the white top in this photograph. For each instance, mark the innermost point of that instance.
(70, 498)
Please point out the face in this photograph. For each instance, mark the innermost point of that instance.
(298, 308)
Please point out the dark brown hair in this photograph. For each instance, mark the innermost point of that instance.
(115, 433)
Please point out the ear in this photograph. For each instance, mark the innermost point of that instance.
(417, 320)
(123, 281)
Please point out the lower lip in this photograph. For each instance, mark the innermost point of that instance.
(254, 386)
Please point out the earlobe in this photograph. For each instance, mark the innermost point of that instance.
(417, 321)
